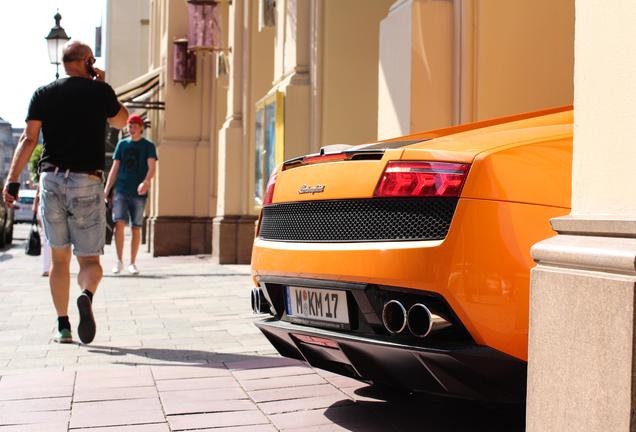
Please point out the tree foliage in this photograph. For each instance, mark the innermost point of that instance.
(33, 164)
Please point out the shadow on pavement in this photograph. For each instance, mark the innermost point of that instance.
(193, 357)
(395, 411)
(173, 275)
(13, 245)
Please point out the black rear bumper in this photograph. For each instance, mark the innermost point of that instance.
(467, 371)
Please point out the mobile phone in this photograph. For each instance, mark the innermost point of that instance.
(90, 69)
(13, 189)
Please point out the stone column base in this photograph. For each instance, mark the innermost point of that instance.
(581, 339)
(232, 238)
(179, 235)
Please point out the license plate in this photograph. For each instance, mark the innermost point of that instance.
(327, 307)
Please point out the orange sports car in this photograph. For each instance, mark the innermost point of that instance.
(407, 262)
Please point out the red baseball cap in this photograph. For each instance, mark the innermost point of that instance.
(135, 118)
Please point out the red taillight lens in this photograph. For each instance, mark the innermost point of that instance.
(269, 190)
(422, 179)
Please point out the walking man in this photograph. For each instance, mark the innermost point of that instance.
(72, 114)
(134, 165)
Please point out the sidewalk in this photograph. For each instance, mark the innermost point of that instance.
(176, 350)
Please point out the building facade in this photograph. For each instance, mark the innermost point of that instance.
(126, 40)
(6, 148)
(292, 76)
(9, 137)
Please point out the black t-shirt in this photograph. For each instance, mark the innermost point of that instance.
(73, 112)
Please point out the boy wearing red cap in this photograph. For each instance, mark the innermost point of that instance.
(134, 165)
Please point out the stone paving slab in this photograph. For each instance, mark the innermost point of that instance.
(290, 393)
(49, 427)
(156, 427)
(116, 413)
(176, 350)
(217, 419)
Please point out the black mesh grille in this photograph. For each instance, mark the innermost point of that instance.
(354, 220)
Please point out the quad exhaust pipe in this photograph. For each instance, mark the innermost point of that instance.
(419, 319)
(394, 317)
(260, 304)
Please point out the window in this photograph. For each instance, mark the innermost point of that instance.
(269, 141)
(25, 200)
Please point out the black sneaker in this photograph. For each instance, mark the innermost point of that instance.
(86, 327)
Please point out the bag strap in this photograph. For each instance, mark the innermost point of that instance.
(34, 225)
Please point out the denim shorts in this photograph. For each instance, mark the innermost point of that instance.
(73, 213)
(129, 209)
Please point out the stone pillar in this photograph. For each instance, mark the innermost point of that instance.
(291, 75)
(181, 198)
(582, 316)
(233, 228)
(394, 82)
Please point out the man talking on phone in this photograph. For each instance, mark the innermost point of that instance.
(72, 113)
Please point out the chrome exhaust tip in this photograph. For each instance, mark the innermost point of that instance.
(421, 321)
(394, 316)
(260, 305)
(256, 300)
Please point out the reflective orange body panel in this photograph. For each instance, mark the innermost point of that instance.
(519, 178)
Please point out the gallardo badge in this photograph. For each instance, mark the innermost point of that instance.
(304, 189)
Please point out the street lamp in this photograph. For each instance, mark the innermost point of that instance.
(204, 25)
(56, 39)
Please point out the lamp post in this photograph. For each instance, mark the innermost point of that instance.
(56, 39)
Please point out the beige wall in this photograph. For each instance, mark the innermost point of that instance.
(180, 128)
(469, 60)
(232, 180)
(431, 84)
(292, 79)
(127, 40)
(155, 116)
(394, 83)
(350, 70)
(184, 184)
(605, 97)
(524, 55)
(261, 75)
(296, 36)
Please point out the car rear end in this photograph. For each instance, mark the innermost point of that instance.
(407, 262)
(23, 208)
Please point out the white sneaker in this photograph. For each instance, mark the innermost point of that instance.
(132, 269)
(118, 267)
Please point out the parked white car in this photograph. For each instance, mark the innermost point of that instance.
(23, 208)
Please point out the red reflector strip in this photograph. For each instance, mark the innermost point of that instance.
(313, 340)
(324, 158)
(422, 179)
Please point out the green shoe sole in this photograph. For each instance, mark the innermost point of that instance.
(63, 336)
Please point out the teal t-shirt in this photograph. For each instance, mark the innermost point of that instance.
(133, 158)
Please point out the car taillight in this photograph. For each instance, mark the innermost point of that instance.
(269, 190)
(422, 179)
